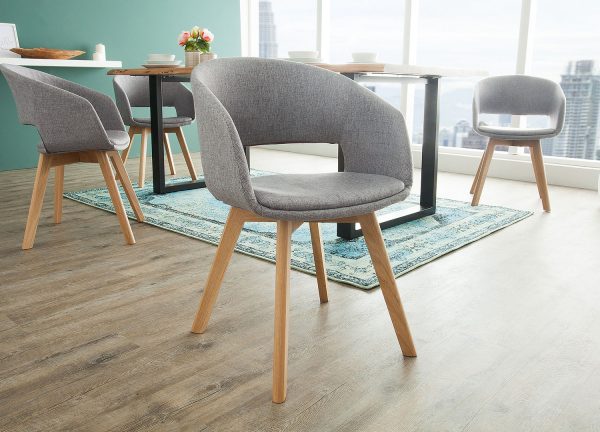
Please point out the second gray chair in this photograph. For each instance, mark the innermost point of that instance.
(133, 92)
(517, 95)
(75, 124)
(248, 102)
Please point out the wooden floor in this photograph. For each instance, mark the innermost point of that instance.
(95, 335)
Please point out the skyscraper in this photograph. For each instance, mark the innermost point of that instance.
(267, 31)
(579, 139)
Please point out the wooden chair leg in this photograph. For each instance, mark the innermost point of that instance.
(477, 175)
(169, 154)
(125, 153)
(113, 190)
(387, 281)
(143, 150)
(186, 153)
(485, 165)
(37, 199)
(282, 291)
(231, 232)
(59, 185)
(537, 159)
(317, 246)
(126, 183)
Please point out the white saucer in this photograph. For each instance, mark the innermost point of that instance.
(152, 66)
(305, 60)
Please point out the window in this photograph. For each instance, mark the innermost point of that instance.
(565, 49)
(464, 34)
(286, 26)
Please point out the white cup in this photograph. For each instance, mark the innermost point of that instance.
(99, 56)
(161, 57)
(100, 48)
(364, 57)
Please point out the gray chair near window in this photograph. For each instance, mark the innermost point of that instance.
(75, 124)
(517, 95)
(133, 92)
(257, 101)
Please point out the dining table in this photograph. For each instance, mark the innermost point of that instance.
(359, 72)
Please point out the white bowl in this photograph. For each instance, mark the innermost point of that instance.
(303, 54)
(161, 57)
(364, 57)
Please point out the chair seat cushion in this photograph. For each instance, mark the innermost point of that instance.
(167, 121)
(119, 139)
(300, 192)
(507, 132)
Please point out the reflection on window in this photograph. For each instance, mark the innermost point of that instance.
(565, 49)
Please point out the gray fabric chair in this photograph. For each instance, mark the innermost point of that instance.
(248, 102)
(75, 124)
(517, 95)
(133, 91)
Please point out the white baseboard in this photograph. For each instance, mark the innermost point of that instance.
(503, 166)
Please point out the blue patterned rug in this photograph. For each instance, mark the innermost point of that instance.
(199, 215)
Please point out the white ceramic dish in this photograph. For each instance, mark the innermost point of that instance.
(151, 66)
(161, 57)
(305, 60)
(172, 63)
(364, 57)
(303, 54)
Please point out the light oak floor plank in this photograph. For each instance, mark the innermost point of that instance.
(95, 335)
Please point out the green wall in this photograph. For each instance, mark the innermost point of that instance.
(130, 29)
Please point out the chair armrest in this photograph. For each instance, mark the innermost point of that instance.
(103, 105)
(183, 100)
(68, 122)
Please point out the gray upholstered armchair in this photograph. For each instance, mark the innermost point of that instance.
(76, 124)
(133, 91)
(247, 102)
(517, 95)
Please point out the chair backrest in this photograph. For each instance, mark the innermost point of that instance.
(250, 101)
(518, 95)
(134, 91)
(68, 117)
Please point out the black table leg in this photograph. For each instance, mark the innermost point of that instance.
(429, 158)
(156, 126)
(158, 152)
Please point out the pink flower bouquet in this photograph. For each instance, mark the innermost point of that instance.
(197, 39)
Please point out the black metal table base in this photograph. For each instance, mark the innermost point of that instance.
(428, 168)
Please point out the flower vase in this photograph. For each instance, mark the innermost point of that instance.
(193, 58)
(207, 56)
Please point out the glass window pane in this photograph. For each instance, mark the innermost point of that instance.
(468, 34)
(565, 49)
(359, 26)
(286, 25)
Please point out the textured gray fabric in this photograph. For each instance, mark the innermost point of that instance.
(518, 95)
(134, 91)
(68, 117)
(333, 190)
(167, 122)
(249, 101)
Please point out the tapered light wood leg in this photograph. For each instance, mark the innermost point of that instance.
(126, 183)
(485, 165)
(125, 153)
(143, 148)
(387, 281)
(169, 154)
(317, 246)
(59, 184)
(186, 153)
(113, 190)
(37, 199)
(537, 159)
(477, 175)
(282, 291)
(231, 232)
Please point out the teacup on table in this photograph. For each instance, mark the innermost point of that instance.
(364, 57)
(161, 57)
